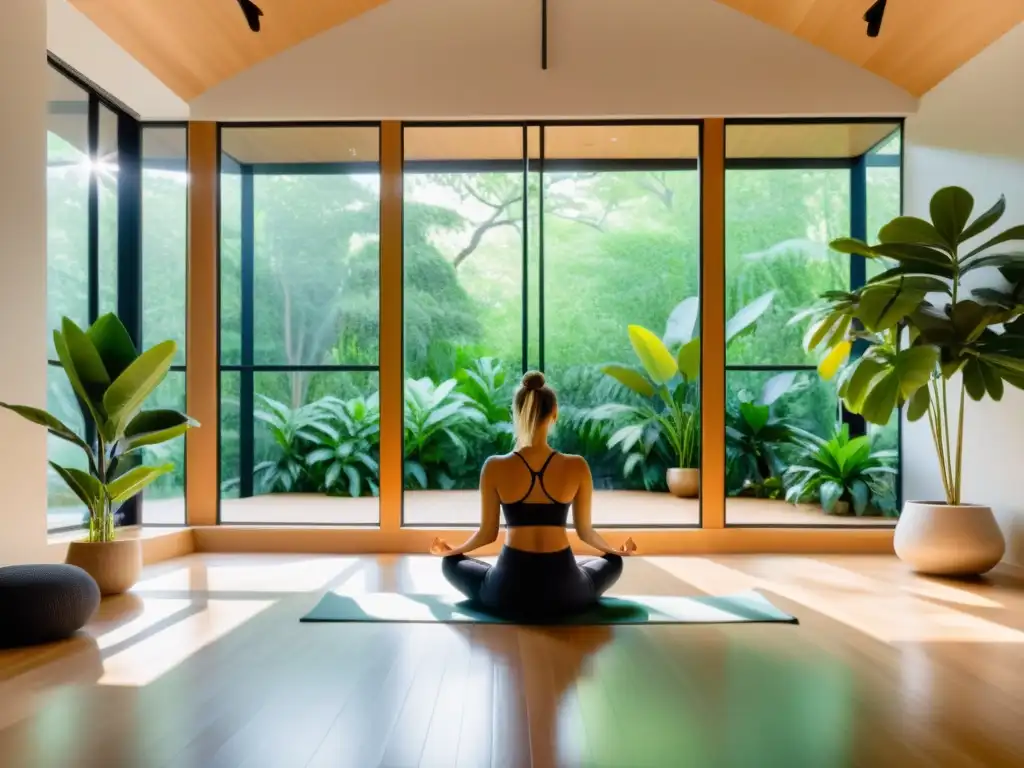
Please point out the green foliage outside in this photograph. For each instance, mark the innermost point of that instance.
(621, 250)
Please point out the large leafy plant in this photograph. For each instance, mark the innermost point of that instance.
(841, 471)
(755, 437)
(294, 432)
(439, 421)
(484, 381)
(112, 381)
(916, 325)
(345, 446)
(668, 406)
(327, 446)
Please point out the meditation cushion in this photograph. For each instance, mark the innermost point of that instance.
(44, 603)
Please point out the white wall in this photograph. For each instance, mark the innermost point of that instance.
(23, 95)
(970, 132)
(481, 59)
(73, 38)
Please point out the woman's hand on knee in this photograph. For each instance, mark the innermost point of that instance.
(440, 547)
(628, 548)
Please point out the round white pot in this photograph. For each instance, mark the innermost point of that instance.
(948, 540)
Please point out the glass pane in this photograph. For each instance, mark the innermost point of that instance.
(164, 236)
(761, 445)
(778, 223)
(463, 309)
(230, 431)
(883, 196)
(317, 440)
(230, 263)
(67, 188)
(64, 510)
(105, 168)
(164, 502)
(314, 194)
(622, 248)
(788, 194)
(317, 268)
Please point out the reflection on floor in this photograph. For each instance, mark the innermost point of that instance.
(434, 508)
(206, 663)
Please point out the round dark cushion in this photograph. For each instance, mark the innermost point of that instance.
(44, 603)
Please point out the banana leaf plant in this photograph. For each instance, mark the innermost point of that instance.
(112, 381)
(916, 325)
(666, 384)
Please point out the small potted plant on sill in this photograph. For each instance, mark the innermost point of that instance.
(913, 328)
(112, 381)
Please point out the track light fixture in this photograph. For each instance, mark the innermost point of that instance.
(252, 14)
(874, 17)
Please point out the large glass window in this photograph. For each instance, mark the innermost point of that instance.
(67, 272)
(164, 266)
(540, 247)
(88, 213)
(300, 295)
(790, 190)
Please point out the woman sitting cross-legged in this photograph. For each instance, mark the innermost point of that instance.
(536, 576)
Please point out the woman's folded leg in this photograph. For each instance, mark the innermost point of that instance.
(465, 574)
(603, 572)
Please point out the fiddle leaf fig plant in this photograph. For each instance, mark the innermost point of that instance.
(112, 381)
(899, 339)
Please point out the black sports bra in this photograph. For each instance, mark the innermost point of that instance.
(522, 513)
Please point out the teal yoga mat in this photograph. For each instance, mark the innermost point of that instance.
(394, 607)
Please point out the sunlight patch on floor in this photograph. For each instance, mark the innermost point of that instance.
(854, 600)
(143, 662)
(299, 574)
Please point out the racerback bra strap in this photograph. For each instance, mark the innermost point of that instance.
(536, 475)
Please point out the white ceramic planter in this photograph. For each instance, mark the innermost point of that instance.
(947, 540)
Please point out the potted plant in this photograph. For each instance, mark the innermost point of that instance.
(112, 381)
(670, 409)
(842, 474)
(912, 329)
(669, 391)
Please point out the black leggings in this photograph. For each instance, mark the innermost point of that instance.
(533, 585)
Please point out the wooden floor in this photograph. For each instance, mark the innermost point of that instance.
(206, 664)
(455, 508)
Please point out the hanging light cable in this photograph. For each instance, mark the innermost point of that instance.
(252, 14)
(874, 17)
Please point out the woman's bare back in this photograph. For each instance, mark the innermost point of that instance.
(511, 479)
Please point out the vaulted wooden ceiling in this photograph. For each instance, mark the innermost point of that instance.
(192, 45)
(921, 42)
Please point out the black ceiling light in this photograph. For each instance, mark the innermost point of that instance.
(252, 14)
(874, 18)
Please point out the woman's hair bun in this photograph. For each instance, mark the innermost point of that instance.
(533, 380)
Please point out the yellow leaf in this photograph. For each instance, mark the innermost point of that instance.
(653, 355)
(836, 356)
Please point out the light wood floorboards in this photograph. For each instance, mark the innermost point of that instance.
(206, 664)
